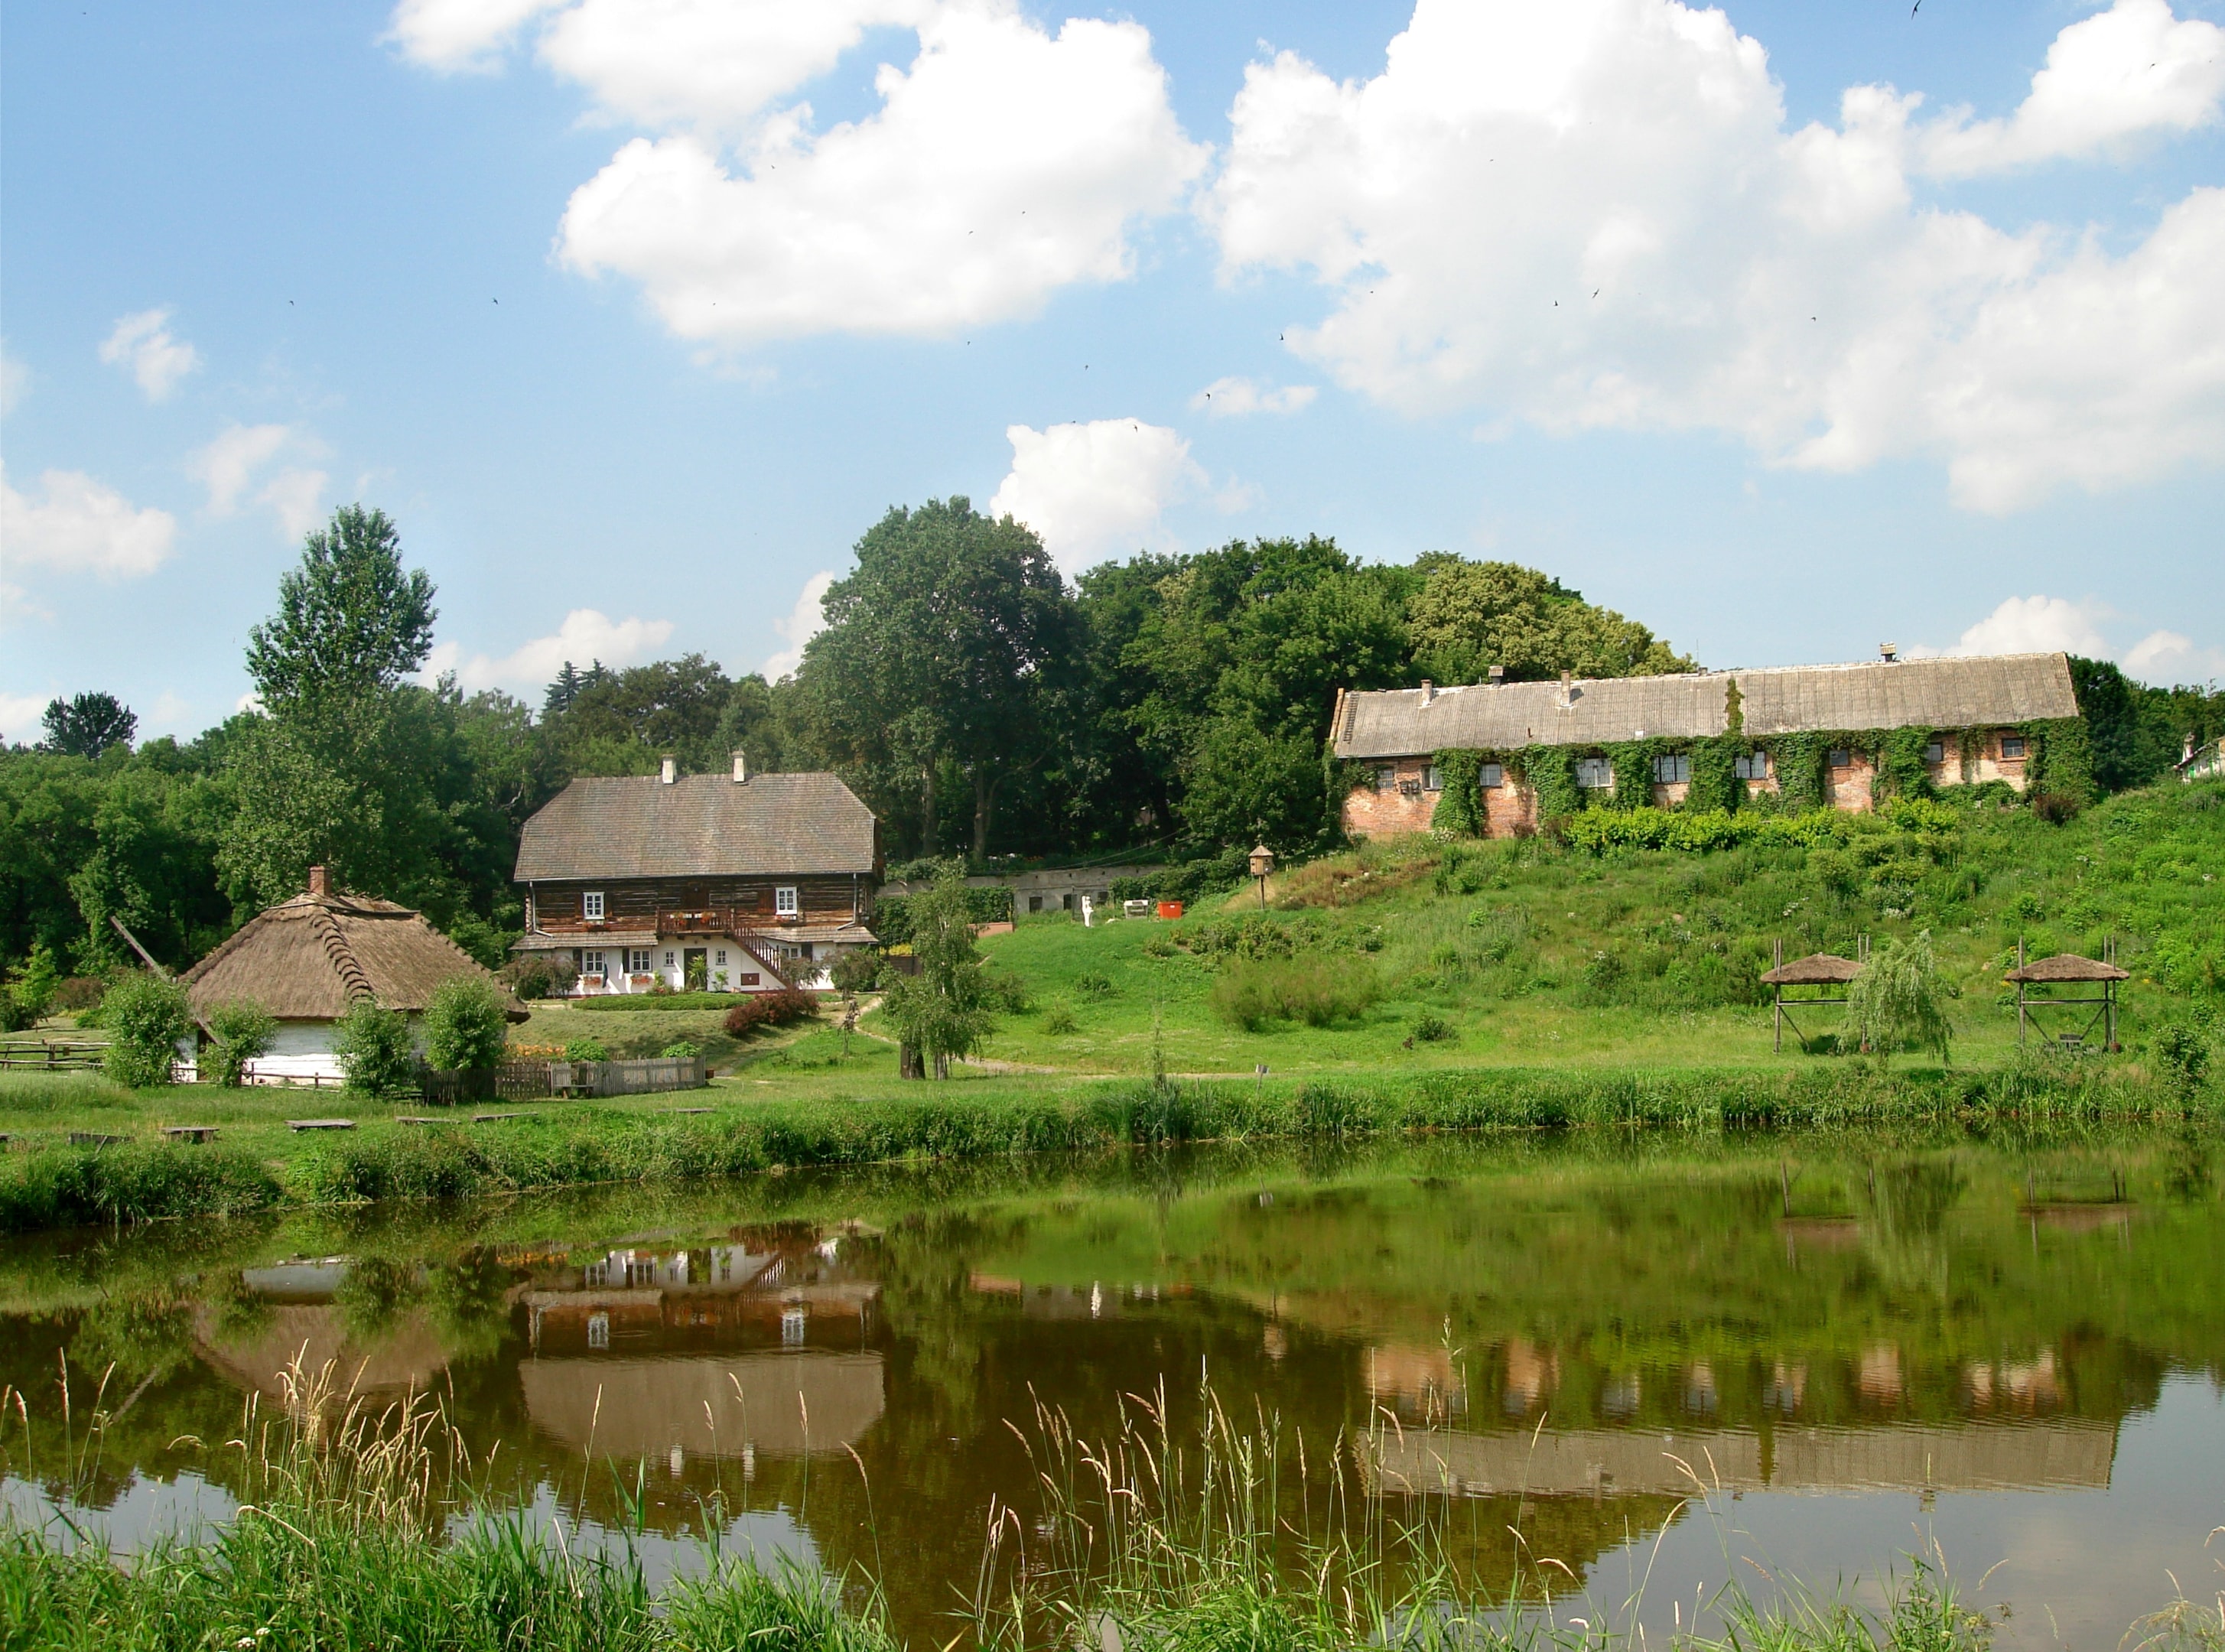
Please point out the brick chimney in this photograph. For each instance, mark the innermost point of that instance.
(1497, 676)
(1429, 691)
(741, 769)
(320, 882)
(1568, 690)
(668, 769)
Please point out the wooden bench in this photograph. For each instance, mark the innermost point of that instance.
(190, 1132)
(93, 1138)
(688, 1110)
(415, 1118)
(320, 1123)
(493, 1118)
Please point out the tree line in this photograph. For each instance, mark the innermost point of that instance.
(983, 705)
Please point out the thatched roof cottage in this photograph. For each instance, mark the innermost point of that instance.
(307, 959)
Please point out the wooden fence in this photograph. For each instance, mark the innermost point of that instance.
(51, 1055)
(525, 1080)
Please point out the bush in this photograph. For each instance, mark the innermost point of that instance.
(146, 1015)
(541, 977)
(80, 994)
(637, 1002)
(35, 986)
(856, 969)
(1091, 985)
(1008, 992)
(373, 1047)
(586, 1050)
(1058, 1020)
(2182, 1049)
(465, 1024)
(244, 1030)
(2056, 807)
(682, 1051)
(1312, 991)
(1433, 1029)
(784, 1008)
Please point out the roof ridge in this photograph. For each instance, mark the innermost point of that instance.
(351, 973)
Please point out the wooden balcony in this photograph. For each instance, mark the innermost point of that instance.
(741, 922)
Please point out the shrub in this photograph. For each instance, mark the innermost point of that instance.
(781, 1009)
(1433, 1029)
(1008, 992)
(586, 1050)
(79, 994)
(146, 1015)
(2056, 807)
(244, 1030)
(373, 1047)
(1091, 985)
(682, 1051)
(36, 984)
(1312, 991)
(2182, 1049)
(857, 968)
(541, 977)
(1059, 1020)
(465, 1024)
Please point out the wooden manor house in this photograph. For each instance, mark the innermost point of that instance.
(741, 883)
(1981, 719)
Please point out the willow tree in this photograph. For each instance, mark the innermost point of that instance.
(1898, 1002)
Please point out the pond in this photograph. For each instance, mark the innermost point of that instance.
(2007, 1349)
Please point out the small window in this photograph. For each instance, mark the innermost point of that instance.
(1035, 903)
(1672, 770)
(1491, 776)
(599, 1330)
(638, 960)
(1595, 774)
(1387, 779)
(1755, 766)
(784, 903)
(2012, 747)
(1430, 782)
(1841, 758)
(722, 956)
(591, 906)
(667, 960)
(591, 961)
(1935, 752)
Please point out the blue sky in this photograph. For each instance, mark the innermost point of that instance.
(635, 313)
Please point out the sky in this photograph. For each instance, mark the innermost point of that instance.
(1786, 329)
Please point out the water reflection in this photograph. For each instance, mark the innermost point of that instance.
(1570, 1336)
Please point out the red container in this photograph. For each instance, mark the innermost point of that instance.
(1170, 910)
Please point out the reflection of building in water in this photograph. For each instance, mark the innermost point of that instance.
(1621, 1395)
(1414, 1382)
(1787, 1386)
(617, 1368)
(2027, 1385)
(1880, 1376)
(1095, 1301)
(1700, 1395)
(1531, 1374)
(1603, 1461)
(296, 1322)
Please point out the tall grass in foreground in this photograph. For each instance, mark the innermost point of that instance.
(1222, 1540)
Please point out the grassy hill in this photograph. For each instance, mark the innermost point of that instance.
(1427, 952)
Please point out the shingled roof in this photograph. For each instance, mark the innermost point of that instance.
(308, 958)
(1957, 694)
(698, 826)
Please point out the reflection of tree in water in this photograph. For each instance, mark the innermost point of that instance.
(375, 1292)
(1908, 1205)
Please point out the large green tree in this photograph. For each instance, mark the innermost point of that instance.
(349, 621)
(88, 725)
(948, 655)
(1468, 616)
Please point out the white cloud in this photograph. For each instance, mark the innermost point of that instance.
(80, 525)
(2171, 656)
(1004, 163)
(2121, 74)
(22, 718)
(459, 34)
(805, 622)
(230, 465)
(1097, 490)
(15, 382)
(1593, 214)
(585, 634)
(142, 342)
(1232, 398)
(2033, 624)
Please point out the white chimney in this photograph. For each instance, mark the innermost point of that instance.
(1888, 651)
(741, 769)
(1497, 676)
(1429, 690)
(668, 769)
(1568, 690)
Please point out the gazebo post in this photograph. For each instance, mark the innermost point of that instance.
(2020, 987)
(1777, 1012)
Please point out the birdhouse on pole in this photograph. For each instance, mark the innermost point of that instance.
(1263, 862)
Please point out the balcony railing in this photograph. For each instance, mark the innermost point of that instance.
(741, 922)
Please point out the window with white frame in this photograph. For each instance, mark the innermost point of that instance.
(1753, 766)
(1491, 776)
(1672, 769)
(1386, 779)
(591, 906)
(1595, 774)
(670, 960)
(785, 904)
(722, 957)
(638, 960)
(591, 961)
(1431, 781)
(599, 1330)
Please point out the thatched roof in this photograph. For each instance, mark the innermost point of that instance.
(308, 958)
(2068, 966)
(697, 825)
(1814, 970)
(1965, 693)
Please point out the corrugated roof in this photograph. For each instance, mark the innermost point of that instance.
(1779, 699)
(308, 958)
(700, 825)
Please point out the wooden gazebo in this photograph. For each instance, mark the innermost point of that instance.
(1817, 969)
(2068, 969)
